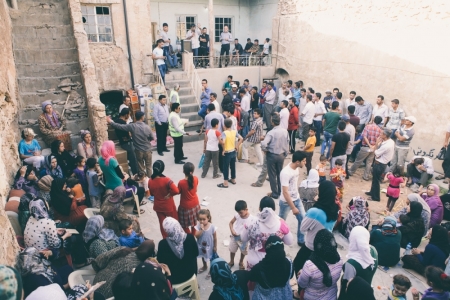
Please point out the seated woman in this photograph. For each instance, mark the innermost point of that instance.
(26, 180)
(150, 282)
(50, 167)
(110, 166)
(24, 209)
(11, 283)
(358, 289)
(121, 259)
(426, 211)
(386, 240)
(66, 208)
(431, 197)
(309, 189)
(435, 252)
(273, 272)
(51, 124)
(178, 251)
(29, 149)
(98, 239)
(87, 147)
(357, 216)
(412, 226)
(226, 283)
(113, 211)
(320, 274)
(65, 161)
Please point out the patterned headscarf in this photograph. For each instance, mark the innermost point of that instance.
(325, 251)
(54, 120)
(10, 284)
(47, 164)
(389, 226)
(108, 151)
(38, 209)
(225, 281)
(77, 292)
(31, 262)
(266, 221)
(45, 183)
(358, 216)
(83, 143)
(94, 228)
(25, 201)
(175, 236)
(118, 195)
(149, 282)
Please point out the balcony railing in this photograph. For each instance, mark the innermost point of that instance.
(232, 61)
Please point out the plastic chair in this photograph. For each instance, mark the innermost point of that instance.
(76, 277)
(90, 212)
(14, 220)
(189, 287)
(136, 200)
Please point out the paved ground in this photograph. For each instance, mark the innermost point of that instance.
(222, 209)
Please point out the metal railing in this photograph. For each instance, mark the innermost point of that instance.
(158, 79)
(232, 60)
(194, 79)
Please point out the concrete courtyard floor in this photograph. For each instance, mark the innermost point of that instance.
(221, 205)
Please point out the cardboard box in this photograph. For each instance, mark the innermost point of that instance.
(157, 89)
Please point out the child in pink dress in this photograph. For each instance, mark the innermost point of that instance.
(396, 181)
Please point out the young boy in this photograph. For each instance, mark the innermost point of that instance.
(94, 186)
(400, 286)
(228, 112)
(229, 153)
(309, 148)
(211, 149)
(337, 175)
(321, 168)
(129, 238)
(237, 224)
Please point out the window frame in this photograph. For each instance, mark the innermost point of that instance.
(92, 15)
(182, 19)
(230, 27)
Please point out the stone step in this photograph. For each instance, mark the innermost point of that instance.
(59, 16)
(189, 108)
(21, 42)
(43, 31)
(33, 84)
(188, 99)
(193, 137)
(191, 116)
(193, 125)
(48, 56)
(34, 98)
(48, 70)
(183, 83)
(176, 74)
(185, 91)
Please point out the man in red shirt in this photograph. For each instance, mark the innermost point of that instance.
(292, 123)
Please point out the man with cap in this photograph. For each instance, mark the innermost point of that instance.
(403, 136)
(142, 136)
(234, 93)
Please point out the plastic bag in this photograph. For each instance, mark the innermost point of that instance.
(441, 155)
(202, 160)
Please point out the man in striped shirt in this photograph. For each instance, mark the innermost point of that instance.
(254, 138)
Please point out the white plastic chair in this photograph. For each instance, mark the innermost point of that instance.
(135, 198)
(189, 287)
(90, 212)
(80, 277)
(14, 220)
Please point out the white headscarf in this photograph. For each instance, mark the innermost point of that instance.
(312, 181)
(266, 221)
(52, 291)
(175, 236)
(359, 248)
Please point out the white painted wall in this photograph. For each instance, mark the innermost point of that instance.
(261, 14)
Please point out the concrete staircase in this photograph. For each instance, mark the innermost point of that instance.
(47, 64)
(189, 104)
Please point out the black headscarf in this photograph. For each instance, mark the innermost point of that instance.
(27, 172)
(325, 251)
(158, 169)
(415, 210)
(439, 238)
(60, 198)
(149, 282)
(359, 289)
(65, 160)
(326, 200)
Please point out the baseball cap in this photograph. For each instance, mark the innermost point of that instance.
(233, 85)
(411, 119)
(345, 117)
(139, 115)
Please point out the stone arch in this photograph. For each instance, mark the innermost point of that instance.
(112, 101)
(282, 73)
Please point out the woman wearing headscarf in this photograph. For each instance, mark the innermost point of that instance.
(435, 253)
(98, 239)
(431, 197)
(323, 214)
(358, 289)
(50, 167)
(178, 251)
(273, 272)
(149, 282)
(52, 291)
(26, 180)
(24, 209)
(65, 161)
(362, 259)
(309, 189)
(163, 189)
(121, 259)
(357, 216)
(386, 240)
(320, 274)
(66, 209)
(45, 185)
(259, 229)
(425, 214)
(412, 225)
(29, 149)
(87, 147)
(110, 166)
(51, 124)
(113, 211)
(227, 285)
(10, 284)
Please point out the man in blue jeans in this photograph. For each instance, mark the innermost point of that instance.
(158, 56)
(290, 198)
(204, 97)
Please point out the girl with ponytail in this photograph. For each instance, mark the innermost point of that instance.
(189, 204)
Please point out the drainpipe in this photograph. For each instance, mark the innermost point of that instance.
(130, 62)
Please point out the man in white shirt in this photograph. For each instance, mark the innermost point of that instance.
(384, 151)
(289, 197)
(284, 114)
(194, 36)
(269, 98)
(420, 169)
(320, 110)
(380, 109)
(164, 35)
(350, 100)
(213, 99)
(281, 94)
(245, 107)
(158, 56)
(308, 115)
(126, 104)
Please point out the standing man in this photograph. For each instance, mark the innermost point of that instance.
(289, 197)
(350, 100)
(301, 107)
(161, 115)
(204, 98)
(213, 114)
(403, 136)
(227, 100)
(319, 112)
(213, 100)
(363, 111)
(354, 120)
(446, 161)
(276, 146)
(158, 56)
(384, 151)
(176, 129)
(225, 38)
(351, 131)
(307, 115)
(254, 138)
(227, 84)
(329, 123)
(293, 124)
(395, 117)
(339, 144)
(284, 114)
(327, 100)
(125, 141)
(142, 136)
(245, 108)
(204, 48)
(194, 36)
(380, 109)
(269, 100)
(165, 37)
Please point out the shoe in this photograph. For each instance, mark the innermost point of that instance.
(161, 154)
(167, 150)
(301, 244)
(180, 162)
(368, 193)
(347, 177)
(184, 157)
(198, 131)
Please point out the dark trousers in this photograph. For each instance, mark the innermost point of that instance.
(224, 49)
(220, 158)
(229, 163)
(377, 170)
(292, 134)
(131, 156)
(346, 163)
(274, 167)
(166, 54)
(211, 156)
(178, 148)
(305, 131)
(318, 126)
(446, 163)
(412, 172)
(309, 156)
(203, 52)
(161, 136)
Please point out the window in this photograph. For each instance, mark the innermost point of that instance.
(219, 23)
(184, 23)
(97, 23)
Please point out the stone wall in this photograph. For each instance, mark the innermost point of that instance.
(394, 48)
(9, 158)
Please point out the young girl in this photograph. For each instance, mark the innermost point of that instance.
(206, 239)
(396, 181)
(439, 284)
(76, 191)
(142, 180)
(189, 204)
(80, 173)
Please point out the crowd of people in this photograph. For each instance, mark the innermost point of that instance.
(51, 194)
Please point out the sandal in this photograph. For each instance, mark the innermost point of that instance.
(255, 185)
(201, 270)
(440, 177)
(241, 267)
(217, 176)
(208, 276)
(408, 184)
(136, 212)
(230, 181)
(230, 265)
(221, 185)
(143, 202)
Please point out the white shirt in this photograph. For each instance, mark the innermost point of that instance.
(213, 140)
(350, 129)
(195, 35)
(319, 109)
(349, 102)
(302, 104)
(238, 226)
(284, 118)
(385, 153)
(217, 105)
(159, 52)
(165, 37)
(448, 128)
(382, 111)
(281, 95)
(245, 103)
(308, 112)
(266, 48)
(270, 96)
(129, 118)
(427, 163)
(289, 178)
